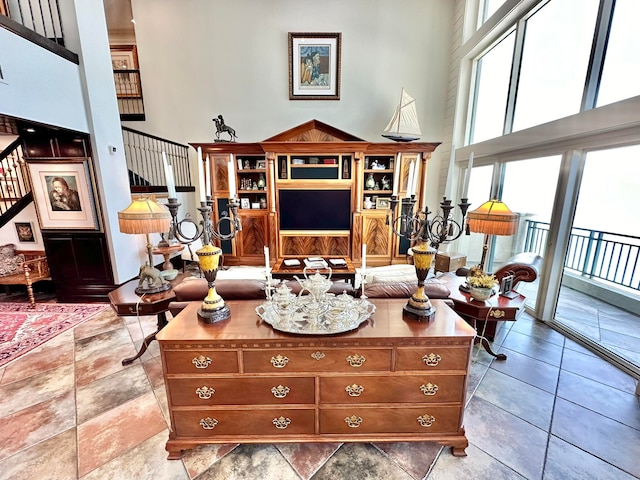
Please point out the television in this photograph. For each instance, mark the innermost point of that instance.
(315, 209)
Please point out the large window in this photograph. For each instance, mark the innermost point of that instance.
(555, 57)
(622, 62)
(491, 93)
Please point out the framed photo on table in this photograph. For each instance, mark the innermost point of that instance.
(63, 191)
(314, 66)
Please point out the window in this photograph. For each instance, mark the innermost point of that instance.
(493, 71)
(622, 61)
(555, 57)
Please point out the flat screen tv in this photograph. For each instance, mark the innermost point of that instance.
(315, 209)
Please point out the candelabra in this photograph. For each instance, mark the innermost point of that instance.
(426, 236)
(213, 308)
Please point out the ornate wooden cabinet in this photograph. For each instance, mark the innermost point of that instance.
(316, 190)
(240, 381)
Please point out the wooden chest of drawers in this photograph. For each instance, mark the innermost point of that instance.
(240, 381)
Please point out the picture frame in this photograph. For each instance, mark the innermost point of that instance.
(314, 66)
(63, 192)
(383, 203)
(245, 203)
(124, 58)
(24, 231)
(261, 164)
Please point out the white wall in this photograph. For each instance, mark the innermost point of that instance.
(202, 58)
(8, 233)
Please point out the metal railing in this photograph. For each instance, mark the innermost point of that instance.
(612, 257)
(129, 94)
(144, 161)
(14, 179)
(41, 16)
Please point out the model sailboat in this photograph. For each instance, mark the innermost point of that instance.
(403, 126)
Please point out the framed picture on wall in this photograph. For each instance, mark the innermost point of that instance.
(123, 59)
(314, 66)
(64, 194)
(24, 230)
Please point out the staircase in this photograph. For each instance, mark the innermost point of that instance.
(15, 186)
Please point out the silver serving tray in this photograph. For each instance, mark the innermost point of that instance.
(306, 316)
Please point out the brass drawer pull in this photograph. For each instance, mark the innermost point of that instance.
(354, 390)
(279, 361)
(426, 420)
(205, 392)
(280, 391)
(356, 360)
(353, 421)
(133, 309)
(431, 360)
(429, 389)
(317, 355)
(201, 361)
(281, 422)
(208, 423)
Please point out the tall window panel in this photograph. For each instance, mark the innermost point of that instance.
(603, 256)
(622, 61)
(488, 8)
(555, 57)
(490, 102)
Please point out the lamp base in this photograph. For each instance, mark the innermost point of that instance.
(424, 314)
(143, 290)
(214, 316)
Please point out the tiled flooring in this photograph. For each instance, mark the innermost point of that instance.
(552, 410)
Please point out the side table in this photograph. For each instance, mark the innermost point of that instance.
(483, 315)
(166, 253)
(126, 302)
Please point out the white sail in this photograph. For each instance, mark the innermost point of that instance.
(404, 126)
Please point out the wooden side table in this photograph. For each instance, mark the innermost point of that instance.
(483, 315)
(166, 253)
(126, 302)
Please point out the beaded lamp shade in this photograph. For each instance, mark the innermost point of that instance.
(493, 218)
(144, 215)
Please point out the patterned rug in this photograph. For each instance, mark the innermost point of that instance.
(24, 326)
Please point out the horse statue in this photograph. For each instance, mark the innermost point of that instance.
(221, 127)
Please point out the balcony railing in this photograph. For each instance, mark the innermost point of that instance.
(144, 161)
(14, 179)
(129, 93)
(40, 16)
(606, 256)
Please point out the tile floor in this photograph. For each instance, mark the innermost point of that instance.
(552, 410)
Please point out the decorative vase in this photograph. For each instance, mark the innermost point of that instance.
(419, 306)
(213, 308)
(261, 182)
(367, 203)
(370, 183)
(480, 293)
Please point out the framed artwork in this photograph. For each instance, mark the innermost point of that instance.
(63, 193)
(123, 58)
(382, 203)
(245, 203)
(24, 230)
(261, 164)
(314, 66)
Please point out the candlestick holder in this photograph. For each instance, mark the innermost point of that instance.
(426, 236)
(213, 308)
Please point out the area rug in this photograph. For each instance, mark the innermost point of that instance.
(24, 326)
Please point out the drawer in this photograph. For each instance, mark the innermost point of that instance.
(425, 419)
(392, 389)
(275, 421)
(241, 390)
(317, 360)
(433, 358)
(202, 361)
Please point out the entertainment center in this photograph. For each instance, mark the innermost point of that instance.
(315, 190)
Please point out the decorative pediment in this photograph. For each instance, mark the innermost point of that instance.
(314, 131)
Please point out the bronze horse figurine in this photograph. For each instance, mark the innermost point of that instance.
(221, 127)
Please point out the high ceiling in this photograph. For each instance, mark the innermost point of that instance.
(119, 15)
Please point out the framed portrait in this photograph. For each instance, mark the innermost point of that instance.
(382, 203)
(314, 66)
(245, 203)
(24, 230)
(261, 164)
(64, 194)
(123, 59)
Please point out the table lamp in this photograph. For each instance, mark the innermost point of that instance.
(492, 218)
(145, 215)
